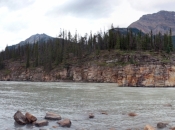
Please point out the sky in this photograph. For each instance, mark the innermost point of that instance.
(19, 19)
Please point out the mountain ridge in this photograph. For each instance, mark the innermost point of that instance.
(161, 22)
(34, 39)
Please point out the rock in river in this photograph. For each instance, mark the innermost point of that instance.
(104, 113)
(148, 127)
(41, 123)
(91, 115)
(19, 118)
(161, 125)
(30, 118)
(132, 114)
(52, 116)
(65, 123)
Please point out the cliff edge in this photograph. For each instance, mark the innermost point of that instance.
(135, 68)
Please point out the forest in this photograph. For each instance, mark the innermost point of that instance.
(60, 50)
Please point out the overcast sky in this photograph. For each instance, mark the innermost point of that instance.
(20, 19)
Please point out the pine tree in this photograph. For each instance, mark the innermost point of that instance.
(170, 40)
(35, 54)
(27, 56)
(1, 62)
(58, 53)
(117, 46)
(151, 39)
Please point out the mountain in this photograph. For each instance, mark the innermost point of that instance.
(37, 38)
(157, 22)
(40, 38)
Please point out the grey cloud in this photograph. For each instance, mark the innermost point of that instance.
(166, 6)
(15, 4)
(151, 6)
(15, 26)
(86, 8)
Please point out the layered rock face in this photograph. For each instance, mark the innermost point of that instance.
(129, 75)
(157, 22)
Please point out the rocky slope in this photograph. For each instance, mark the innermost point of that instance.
(132, 69)
(157, 22)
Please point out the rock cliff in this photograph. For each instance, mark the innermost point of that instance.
(154, 69)
(129, 75)
(157, 22)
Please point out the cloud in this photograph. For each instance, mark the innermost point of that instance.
(22, 18)
(15, 26)
(152, 5)
(86, 8)
(13, 5)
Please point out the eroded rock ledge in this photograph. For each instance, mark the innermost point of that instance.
(130, 75)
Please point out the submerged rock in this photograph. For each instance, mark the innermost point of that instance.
(52, 116)
(161, 125)
(132, 114)
(41, 123)
(54, 126)
(167, 105)
(148, 127)
(91, 115)
(104, 113)
(19, 118)
(112, 129)
(30, 118)
(65, 123)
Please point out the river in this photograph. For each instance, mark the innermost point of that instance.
(76, 100)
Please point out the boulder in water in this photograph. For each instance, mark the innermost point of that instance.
(104, 113)
(132, 114)
(65, 123)
(161, 125)
(41, 123)
(91, 115)
(168, 105)
(54, 126)
(52, 116)
(20, 118)
(30, 118)
(148, 127)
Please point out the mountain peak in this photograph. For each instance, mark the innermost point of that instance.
(38, 37)
(161, 21)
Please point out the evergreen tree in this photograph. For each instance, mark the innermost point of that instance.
(58, 53)
(170, 40)
(1, 62)
(36, 54)
(151, 40)
(27, 56)
(117, 46)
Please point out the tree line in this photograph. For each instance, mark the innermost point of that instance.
(60, 50)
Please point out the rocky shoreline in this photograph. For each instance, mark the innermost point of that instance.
(66, 123)
(30, 119)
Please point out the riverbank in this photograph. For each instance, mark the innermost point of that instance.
(136, 69)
